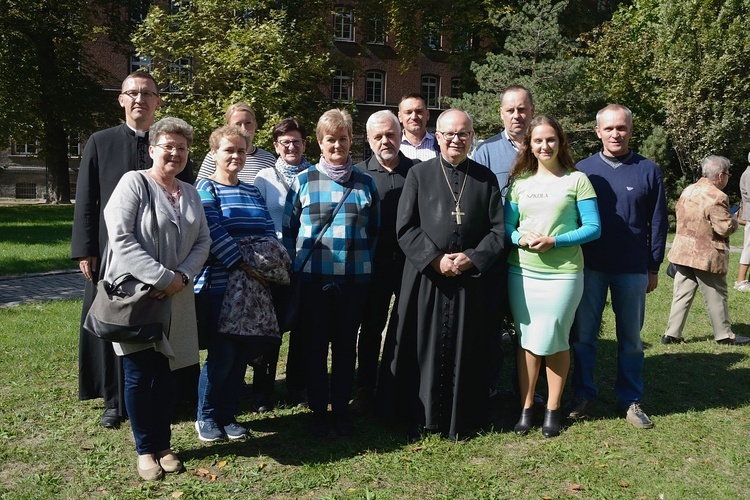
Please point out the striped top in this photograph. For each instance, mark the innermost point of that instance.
(345, 252)
(232, 212)
(254, 163)
(426, 150)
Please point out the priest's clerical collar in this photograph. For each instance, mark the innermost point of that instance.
(138, 133)
(451, 164)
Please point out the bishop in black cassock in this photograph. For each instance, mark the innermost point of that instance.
(450, 227)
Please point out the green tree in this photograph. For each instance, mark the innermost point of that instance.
(703, 58)
(272, 57)
(45, 94)
(537, 56)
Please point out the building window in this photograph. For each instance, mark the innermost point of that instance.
(430, 90)
(433, 37)
(26, 190)
(140, 63)
(25, 149)
(342, 87)
(455, 87)
(375, 87)
(343, 24)
(139, 10)
(180, 74)
(74, 145)
(461, 39)
(376, 31)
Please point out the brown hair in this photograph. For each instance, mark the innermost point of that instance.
(526, 162)
(226, 131)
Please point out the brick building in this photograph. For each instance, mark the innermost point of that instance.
(371, 76)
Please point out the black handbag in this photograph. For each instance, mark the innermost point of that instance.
(123, 311)
(293, 299)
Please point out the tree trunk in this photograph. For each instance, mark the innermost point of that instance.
(56, 161)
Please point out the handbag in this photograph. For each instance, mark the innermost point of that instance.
(123, 311)
(293, 299)
(671, 270)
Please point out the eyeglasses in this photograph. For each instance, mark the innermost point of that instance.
(462, 136)
(173, 149)
(729, 174)
(146, 94)
(287, 143)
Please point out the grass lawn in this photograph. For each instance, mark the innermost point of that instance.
(698, 394)
(35, 238)
(51, 445)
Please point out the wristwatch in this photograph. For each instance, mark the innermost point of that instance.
(185, 279)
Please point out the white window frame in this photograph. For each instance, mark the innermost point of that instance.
(343, 24)
(431, 90)
(341, 87)
(375, 79)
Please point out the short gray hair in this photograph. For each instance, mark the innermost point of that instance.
(713, 165)
(380, 117)
(170, 125)
(442, 115)
(616, 107)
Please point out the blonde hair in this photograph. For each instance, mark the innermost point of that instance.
(238, 106)
(333, 120)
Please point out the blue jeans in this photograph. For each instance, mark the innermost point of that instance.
(629, 305)
(220, 382)
(150, 398)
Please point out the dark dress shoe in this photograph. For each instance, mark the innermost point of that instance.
(736, 340)
(525, 422)
(551, 425)
(319, 424)
(110, 418)
(668, 339)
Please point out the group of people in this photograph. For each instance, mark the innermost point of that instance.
(447, 244)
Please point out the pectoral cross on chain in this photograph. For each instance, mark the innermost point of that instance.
(458, 213)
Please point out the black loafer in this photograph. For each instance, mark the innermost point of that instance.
(736, 340)
(110, 418)
(668, 339)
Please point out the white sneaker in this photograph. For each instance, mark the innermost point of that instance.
(742, 286)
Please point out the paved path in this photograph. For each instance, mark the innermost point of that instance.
(68, 284)
(54, 285)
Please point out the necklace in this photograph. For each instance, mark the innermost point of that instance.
(458, 213)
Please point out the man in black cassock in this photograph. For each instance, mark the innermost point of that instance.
(450, 227)
(108, 154)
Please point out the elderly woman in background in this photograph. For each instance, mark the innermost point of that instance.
(241, 115)
(234, 210)
(337, 273)
(273, 183)
(700, 251)
(166, 259)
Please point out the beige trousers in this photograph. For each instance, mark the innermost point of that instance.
(714, 290)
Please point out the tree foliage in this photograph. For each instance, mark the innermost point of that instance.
(271, 57)
(44, 93)
(684, 70)
(538, 56)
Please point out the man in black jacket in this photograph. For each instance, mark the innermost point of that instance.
(108, 154)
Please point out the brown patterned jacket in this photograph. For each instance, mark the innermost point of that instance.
(704, 225)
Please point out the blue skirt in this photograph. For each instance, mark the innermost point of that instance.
(543, 306)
